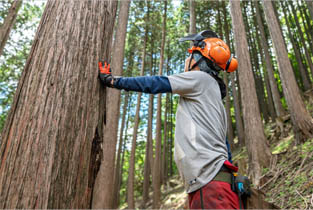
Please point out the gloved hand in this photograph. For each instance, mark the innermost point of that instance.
(105, 75)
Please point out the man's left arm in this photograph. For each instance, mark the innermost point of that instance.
(145, 84)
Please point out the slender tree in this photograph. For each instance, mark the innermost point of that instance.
(269, 66)
(299, 30)
(192, 13)
(6, 26)
(157, 161)
(149, 151)
(303, 72)
(230, 131)
(50, 153)
(105, 180)
(301, 119)
(117, 169)
(131, 171)
(258, 151)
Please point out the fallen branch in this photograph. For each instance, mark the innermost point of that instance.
(306, 203)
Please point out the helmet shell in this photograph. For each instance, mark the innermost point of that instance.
(218, 52)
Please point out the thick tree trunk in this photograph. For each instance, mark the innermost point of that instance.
(157, 160)
(239, 124)
(269, 66)
(258, 150)
(8, 23)
(131, 171)
(105, 180)
(51, 148)
(302, 121)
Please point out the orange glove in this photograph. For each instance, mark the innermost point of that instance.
(105, 74)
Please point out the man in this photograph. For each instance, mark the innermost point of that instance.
(200, 149)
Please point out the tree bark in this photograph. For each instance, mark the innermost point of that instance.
(302, 121)
(8, 23)
(157, 160)
(131, 171)
(105, 180)
(257, 148)
(239, 124)
(51, 148)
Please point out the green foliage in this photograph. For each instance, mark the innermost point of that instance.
(16, 51)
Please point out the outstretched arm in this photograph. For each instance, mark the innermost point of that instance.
(146, 84)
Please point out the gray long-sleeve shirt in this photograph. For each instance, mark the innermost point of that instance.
(200, 148)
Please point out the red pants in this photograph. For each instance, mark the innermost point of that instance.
(216, 195)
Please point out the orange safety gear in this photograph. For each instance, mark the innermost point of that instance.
(214, 49)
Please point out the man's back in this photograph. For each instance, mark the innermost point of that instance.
(200, 148)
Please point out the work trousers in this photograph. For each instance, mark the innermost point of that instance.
(215, 195)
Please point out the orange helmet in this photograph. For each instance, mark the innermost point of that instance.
(214, 49)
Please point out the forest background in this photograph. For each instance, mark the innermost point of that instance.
(269, 91)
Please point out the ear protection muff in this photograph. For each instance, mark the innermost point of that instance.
(232, 65)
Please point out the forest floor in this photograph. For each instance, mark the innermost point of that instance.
(287, 183)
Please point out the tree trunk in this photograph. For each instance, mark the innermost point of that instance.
(302, 121)
(123, 152)
(302, 69)
(258, 150)
(8, 23)
(131, 171)
(230, 131)
(255, 66)
(149, 145)
(118, 161)
(165, 142)
(306, 24)
(269, 66)
(271, 107)
(105, 180)
(239, 124)
(157, 160)
(299, 30)
(51, 148)
(192, 13)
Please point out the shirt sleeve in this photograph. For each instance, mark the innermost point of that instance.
(145, 84)
(186, 84)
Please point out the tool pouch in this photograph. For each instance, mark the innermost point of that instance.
(242, 186)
